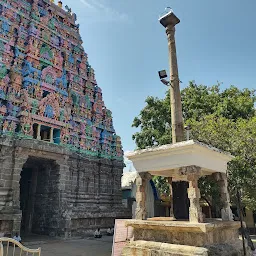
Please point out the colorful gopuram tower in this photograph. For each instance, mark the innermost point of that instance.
(53, 117)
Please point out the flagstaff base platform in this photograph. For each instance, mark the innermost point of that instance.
(172, 238)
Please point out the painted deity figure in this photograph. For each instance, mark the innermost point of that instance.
(38, 92)
(5, 126)
(3, 110)
(41, 110)
(26, 125)
(65, 135)
(58, 59)
(12, 126)
(4, 83)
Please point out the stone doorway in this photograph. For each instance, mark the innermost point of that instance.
(39, 196)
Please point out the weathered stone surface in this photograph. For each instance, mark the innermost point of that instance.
(226, 213)
(185, 233)
(161, 249)
(137, 248)
(195, 211)
(234, 249)
(74, 195)
(216, 238)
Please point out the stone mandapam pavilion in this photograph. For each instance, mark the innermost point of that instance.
(184, 161)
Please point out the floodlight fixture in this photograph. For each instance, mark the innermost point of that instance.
(162, 74)
(165, 82)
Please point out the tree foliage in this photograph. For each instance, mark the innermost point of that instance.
(222, 118)
(154, 123)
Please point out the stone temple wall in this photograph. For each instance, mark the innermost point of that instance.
(74, 195)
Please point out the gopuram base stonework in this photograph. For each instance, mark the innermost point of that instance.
(60, 159)
(68, 195)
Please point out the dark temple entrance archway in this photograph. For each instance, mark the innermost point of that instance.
(39, 195)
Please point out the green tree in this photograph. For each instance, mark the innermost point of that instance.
(225, 119)
(232, 103)
(154, 123)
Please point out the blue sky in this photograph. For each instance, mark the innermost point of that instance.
(127, 46)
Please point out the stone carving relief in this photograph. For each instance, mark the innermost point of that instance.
(46, 76)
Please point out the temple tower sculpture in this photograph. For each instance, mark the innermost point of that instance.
(56, 135)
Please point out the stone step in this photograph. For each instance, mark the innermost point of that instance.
(148, 248)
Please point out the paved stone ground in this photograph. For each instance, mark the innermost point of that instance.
(78, 247)
(81, 247)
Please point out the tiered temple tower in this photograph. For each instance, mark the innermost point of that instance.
(48, 88)
(52, 116)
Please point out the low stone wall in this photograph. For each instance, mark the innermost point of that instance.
(146, 248)
(154, 248)
(173, 238)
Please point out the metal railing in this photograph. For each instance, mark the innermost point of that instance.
(10, 247)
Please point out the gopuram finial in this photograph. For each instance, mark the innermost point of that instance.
(69, 10)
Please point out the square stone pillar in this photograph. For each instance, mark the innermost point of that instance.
(51, 135)
(38, 136)
(141, 182)
(226, 212)
(195, 211)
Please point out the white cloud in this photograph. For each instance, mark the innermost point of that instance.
(129, 165)
(87, 4)
(102, 12)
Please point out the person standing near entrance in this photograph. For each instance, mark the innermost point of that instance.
(17, 238)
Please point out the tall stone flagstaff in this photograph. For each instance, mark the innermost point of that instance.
(179, 194)
(183, 163)
(169, 21)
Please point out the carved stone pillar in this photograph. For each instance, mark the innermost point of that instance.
(171, 197)
(141, 182)
(193, 174)
(226, 212)
(51, 135)
(38, 132)
(195, 211)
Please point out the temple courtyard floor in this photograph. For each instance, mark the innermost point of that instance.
(76, 247)
(79, 247)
